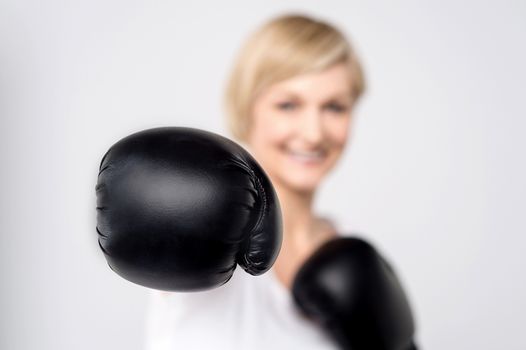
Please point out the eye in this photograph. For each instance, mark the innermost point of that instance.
(286, 106)
(337, 107)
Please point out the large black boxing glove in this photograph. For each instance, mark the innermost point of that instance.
(352, 292)
(179, 208)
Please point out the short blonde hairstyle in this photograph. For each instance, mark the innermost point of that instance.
(286, 46)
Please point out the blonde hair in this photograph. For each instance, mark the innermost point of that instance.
(286, 46)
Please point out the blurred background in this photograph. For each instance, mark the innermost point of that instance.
(434, 175)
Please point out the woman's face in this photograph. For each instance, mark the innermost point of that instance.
(300, 126)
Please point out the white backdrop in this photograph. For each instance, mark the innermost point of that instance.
(434, 175)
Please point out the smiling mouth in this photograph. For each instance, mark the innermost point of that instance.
(307, 157)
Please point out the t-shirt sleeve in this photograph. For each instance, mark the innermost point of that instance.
(174, 320)
(163, 309)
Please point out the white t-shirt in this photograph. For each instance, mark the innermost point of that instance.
(246, 313)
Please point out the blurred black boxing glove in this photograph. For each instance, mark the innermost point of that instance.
(355, 295)
(179, 208)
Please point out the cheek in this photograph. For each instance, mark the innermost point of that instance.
(338, 131)
(270, 130)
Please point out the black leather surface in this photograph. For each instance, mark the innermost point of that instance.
(351, 291)
(179, 208)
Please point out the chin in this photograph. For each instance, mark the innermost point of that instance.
(305, 178)
(302, 183)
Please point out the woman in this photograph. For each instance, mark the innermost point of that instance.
(289, 101)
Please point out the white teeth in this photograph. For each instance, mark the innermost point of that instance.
(317, 155)
(312, 155)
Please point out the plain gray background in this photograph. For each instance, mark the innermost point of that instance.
(434, 174)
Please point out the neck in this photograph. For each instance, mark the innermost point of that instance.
(296, 207)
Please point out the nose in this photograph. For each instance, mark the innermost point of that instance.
(311, 126)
